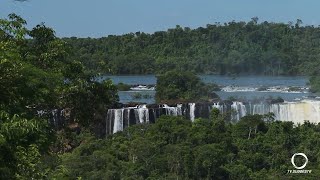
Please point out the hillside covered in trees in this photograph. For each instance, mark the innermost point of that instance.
(253, 47)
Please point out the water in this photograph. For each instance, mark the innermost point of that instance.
(127, 96)
(262, 95)
(221, 80)
(132, 79)
(118, 120)
(296, 112)
(192, 110)
(238, 110)
(253, 81)
(241, 87)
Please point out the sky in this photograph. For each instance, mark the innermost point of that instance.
(97, 18)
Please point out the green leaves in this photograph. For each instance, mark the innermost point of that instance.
(28, 160)
(315, 84)
(13, 28)
(36, 74)
(183, 86)
(208, 161)
(88, 100)
(22, 142)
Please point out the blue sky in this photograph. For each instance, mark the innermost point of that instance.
(96, 18)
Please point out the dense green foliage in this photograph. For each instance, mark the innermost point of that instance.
(22, 141)
(178, 85)
(236, 47)
(175, 148)
(123, 87)
(37, 74)
(315, 84)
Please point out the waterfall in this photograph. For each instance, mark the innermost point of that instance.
(314, 111)
(128, 117)
(297, 112)
(218, 106)
(170, 110)
(118, 120)
(179, 109)
(173, 111)
(261, 108)
(109, 120)
(54, 116)
(142, 114)
(192, 108)
(238, 110)
(58, 116)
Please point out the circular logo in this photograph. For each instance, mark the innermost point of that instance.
(299, 154)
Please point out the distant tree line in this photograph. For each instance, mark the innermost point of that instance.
(232, 48)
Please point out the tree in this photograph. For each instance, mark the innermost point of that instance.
(36, 74)
(315, 84)
(22, 143)
(178, 85)
(249, 126)
(88, 100)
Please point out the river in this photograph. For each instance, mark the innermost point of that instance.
(290, 88)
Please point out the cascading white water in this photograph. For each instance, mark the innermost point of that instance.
(297, 112)
(118, 120)
(218, 106)
(192, 108)
(314, 113)
(260, 108)
(143, 113)
(173, 111)
(179, 109)
(170, 110)
(238, 111)
(55, 116)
